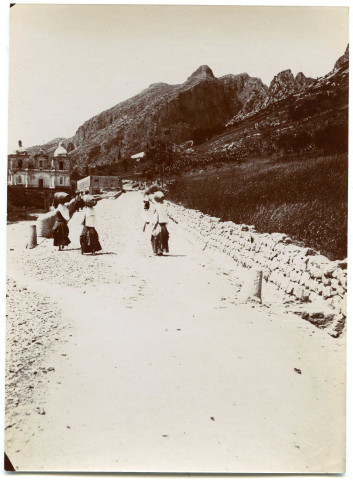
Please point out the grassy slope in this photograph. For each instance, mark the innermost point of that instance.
(304, 198)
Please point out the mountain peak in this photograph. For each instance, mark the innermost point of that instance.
(284, 76)
(343, 59)
(203, 71)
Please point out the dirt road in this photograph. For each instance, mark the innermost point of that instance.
(128, 362)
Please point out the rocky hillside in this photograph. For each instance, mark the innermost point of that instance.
(198, 109)
(298, 114)
(174, 113)
(282, 85)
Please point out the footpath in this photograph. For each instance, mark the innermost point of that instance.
(128, 362)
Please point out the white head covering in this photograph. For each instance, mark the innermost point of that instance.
(159, 196)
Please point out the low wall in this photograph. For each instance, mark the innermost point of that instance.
(300, 272)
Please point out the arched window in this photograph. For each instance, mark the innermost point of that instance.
(19, 164)
(41, 163)
(61, 165)
(19, 179)
(61, 180)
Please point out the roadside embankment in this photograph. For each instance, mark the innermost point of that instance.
(319, 283)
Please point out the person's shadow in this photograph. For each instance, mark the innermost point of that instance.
(102, 253)
(98, 253)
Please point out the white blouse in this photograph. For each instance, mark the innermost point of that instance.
(160, 213)
(64, 211)
(90, 217)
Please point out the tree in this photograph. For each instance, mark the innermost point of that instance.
(125, 164)
(160, 152)
(332, 138)
(75, 175)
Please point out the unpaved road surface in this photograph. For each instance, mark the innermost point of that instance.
(127, 362)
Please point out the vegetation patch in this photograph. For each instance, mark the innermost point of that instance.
(304, 197)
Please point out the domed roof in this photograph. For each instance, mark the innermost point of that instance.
(20, 148)
(60, 150)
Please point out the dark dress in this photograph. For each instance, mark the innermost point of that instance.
(89, 239)
(79, 203)
(60, 231)
(159, 239)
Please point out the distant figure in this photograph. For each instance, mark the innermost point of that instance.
(62, 216)
(146, 201)
(89, 239)
(79, 202)
(160, 234)
(146, 210)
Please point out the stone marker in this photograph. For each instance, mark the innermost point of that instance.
(251, 290)
(32, 240)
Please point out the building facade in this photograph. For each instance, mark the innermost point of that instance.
(93, 184)
(39, 171)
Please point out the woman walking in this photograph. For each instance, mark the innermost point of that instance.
(147, 209)
(89, 239)
(160, 234)
(79, 202)
(62, 216)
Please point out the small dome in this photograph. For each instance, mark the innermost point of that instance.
(20, 148)
(60, 150)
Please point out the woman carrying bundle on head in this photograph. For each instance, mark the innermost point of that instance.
(79, 202)
(160, 234)
(89, 239)
(62, 216)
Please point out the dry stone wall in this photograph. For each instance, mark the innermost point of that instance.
(300, 272)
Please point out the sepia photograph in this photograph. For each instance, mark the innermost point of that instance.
(176, 239)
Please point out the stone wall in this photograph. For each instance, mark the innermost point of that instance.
(300, 272)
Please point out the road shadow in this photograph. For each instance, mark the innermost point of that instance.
(79, 249)
(100, 253)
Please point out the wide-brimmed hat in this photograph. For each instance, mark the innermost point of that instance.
(89, 200)
(159, 196)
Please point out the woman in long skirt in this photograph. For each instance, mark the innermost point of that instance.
(89, 238)
(62, 216)
(160, 234)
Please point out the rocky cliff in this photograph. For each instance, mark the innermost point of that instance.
(343, 60)
(197, 108)
(282, 85)
(172, 113)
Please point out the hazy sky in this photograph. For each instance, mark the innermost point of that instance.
(70, 62)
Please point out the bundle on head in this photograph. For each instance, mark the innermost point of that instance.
(60, 198)
(89, 201)
(159, 196)
(151, 189)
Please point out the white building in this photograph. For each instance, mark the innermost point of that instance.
(138, 156)
(93, 184)
(39, 171)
